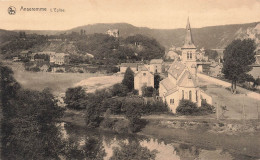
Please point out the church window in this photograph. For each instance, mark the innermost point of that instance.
(197, 96)
(182, 94)
(144, 74)
(171, 101)
(190, 55)
(190, 94)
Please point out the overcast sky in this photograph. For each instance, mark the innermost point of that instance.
(162, 14)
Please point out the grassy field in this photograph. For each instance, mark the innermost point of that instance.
(57, 82)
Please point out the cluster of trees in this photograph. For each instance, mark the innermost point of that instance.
(238, 56)
(28, 126)
(113, 99)
(16, 44)
(211, 54)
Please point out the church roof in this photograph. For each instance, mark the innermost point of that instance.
(187, 80)
(176, 69)
(188, 41)
(167, 83)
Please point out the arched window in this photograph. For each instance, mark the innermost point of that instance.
(182, 94)
(190, 55)
(197, 96)
(190, 95)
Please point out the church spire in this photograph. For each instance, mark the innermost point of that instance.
(188, 42)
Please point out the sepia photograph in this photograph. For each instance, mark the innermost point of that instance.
(130, 80)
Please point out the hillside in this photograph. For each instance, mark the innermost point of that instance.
(207, 37)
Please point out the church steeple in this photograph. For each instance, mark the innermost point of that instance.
(188, 41)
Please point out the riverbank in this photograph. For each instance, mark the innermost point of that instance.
(204, 133)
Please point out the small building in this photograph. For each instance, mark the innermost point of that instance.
(61, 58)
(143, 78)
(113, 32)
(172, 55)
(25, 54)
(156, 65)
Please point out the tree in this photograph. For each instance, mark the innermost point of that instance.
(133, 112)
(75, 98)
(133, 150)
(237, 57)
(129, 79)
(119, 90)
(157, 80)
(211, 54)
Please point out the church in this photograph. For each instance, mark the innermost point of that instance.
(182, 81)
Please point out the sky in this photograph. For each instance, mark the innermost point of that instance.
(160, 14)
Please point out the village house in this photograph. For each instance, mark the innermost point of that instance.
(25, 54)
(113, 32)
(143, 78)
(60, 58)
(156, 65)
(171, 55)
(182, 81)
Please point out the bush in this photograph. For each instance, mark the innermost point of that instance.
(75, 98)
(121, 126)
(119, 90)
(187, 107)
(133, 112)
(154, 107)
(206, 108)
(147, 91)
(113, 104)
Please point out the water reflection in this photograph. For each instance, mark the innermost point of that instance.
(109, 146)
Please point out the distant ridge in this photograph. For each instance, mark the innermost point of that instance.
(207, 37)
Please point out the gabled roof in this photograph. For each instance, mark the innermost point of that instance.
(156, 61)
(167, 83)
(176, 69)
(188, 41)
(141, 69)
(187, 80)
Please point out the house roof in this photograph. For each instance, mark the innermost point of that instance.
(128, 64)
(141, 69)
(156, 61)
(171, 91)
(176, 69)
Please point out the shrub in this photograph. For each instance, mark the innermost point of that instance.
(133, 112)
(154, 107)
(206, 108)
(75, 98)
(119, 90)
(187, 107)
(147, 91)
(121, 126)
(113, 104)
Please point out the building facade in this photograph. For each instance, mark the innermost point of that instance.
(143, 78)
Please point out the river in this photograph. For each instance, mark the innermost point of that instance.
(163, 150)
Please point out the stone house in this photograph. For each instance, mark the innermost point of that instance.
(143, 78)
(156, 65)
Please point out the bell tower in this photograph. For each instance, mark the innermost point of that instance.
(189, 50)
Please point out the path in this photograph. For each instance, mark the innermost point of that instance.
(223, 97)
